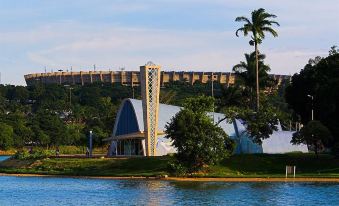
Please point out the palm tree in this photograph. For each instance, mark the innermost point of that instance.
(246, 70)
(259, 24)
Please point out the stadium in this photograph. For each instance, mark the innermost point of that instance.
(132, 78)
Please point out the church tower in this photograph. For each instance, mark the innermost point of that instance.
(150, 90)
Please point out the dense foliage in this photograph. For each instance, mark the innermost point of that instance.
(314, 134)
(6, 136)
(321, 80)
(259, 124)
(52, 115)
(198, 140)
(36, 154)
(238, 102)
(246, 71)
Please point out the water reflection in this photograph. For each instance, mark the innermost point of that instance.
(71, 191)
(203, 185)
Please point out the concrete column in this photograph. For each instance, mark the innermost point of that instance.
(73, 81)
(132, 79)
(192, 78)
(121, 76)
(173, 76)
(219, 77)
(82, 79)
(202, 77)
(228, 78)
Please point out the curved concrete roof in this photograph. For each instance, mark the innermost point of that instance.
(278, 143)
(166, 112)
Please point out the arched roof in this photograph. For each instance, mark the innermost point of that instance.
(131, 111)
(130, 120)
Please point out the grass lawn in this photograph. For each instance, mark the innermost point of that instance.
(88, 167)
(268, 165)
(254, 165)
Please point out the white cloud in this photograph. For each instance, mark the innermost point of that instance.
(67, 40)
(180, 50)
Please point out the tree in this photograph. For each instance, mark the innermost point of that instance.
(167, 97)
(75, 134)
(53, 129)
(259, 24)
(246, 70)
(333, 50)
(314, 61)
(314, 134)
(6, 136)
(259, 124)
(232, 96)
(322, 82)
(198, 140)
(41, 138)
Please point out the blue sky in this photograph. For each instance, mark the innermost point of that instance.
(190, 35)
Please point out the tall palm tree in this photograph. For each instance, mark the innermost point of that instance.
(259, 24)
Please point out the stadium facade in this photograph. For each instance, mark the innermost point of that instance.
(132, 78)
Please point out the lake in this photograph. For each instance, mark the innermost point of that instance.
(74, 191)
(2, 158)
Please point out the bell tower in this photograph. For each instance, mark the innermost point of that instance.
(150, 90)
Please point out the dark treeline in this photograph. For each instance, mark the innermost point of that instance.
(58, 115)
(317, 87)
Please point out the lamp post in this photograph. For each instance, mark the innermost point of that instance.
(60, 70)
(312, 111)
(90, 143)
(212, 80)
(70, 94)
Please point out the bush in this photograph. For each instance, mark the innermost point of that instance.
(71, 150)
(21, 155)
(37, 154)
(6, 136)
(176, 168)
(198, 140)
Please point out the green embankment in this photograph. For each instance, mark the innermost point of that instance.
(262, 165)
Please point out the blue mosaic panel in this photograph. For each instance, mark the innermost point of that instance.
(128, 122)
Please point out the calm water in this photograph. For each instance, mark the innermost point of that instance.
(4, 158)
(72, 191)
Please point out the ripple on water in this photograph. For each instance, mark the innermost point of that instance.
(73, 191)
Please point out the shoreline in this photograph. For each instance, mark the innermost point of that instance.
(188, 179)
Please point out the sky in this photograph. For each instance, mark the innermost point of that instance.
(179, 35)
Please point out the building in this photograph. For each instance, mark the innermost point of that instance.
(139, 127)
(132, 78)
(128, 137)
